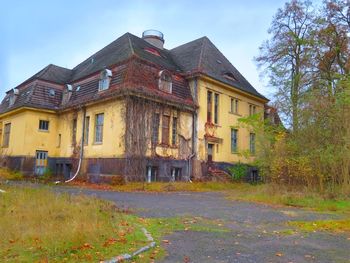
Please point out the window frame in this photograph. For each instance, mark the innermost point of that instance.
(155, 128)
(252, 143)
(98, 134)
(6, 136)
(86, 130)
(42, 125)
(165, 81)
(174, 132)
(216, 107)
(234, 105)
(252, 109)
(234, 140)
(209, 106)
(165, 129)
(105, 80)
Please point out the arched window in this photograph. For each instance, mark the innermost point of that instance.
(105, 78)
(165, 81)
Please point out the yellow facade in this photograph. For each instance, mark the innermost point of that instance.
(221, 130)
(26, 138)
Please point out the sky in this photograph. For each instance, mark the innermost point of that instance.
(36, 33)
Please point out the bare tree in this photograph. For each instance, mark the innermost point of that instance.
(286, 57)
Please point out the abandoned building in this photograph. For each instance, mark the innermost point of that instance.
(133, 109)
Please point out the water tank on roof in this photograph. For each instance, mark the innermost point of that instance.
(154, 37)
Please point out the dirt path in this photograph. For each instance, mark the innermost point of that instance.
(258, 233)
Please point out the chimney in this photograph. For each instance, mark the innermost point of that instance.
(154, 37)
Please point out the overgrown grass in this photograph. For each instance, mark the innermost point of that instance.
(37, 225)
(7, 174)
(163, 187)
(337, 226)
(278, 195)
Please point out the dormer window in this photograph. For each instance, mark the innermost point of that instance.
(229, 76)
(165, 81)
(13, 97)
(105, 79)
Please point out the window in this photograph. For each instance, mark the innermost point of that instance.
(209, 103)
(165, 81)
(174, 132)
(234, 105)
(155, 128)
(165, 129)
(74, 131)
(99, 128)
(252, 109)
(7, 130)
(252, 143)
(216, 108)
(151, 173)
(234, 140)
(86, 132)
(43, 125)
(176, 174)
(105, 79)
(12, 100)
(52, 93)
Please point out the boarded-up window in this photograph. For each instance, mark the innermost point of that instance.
(99, 128)
(165, 81)
(155, 128)
(174, 132)
(165, 129)
(209, 106)
(7, 130)
(74, 131)
(86, 132)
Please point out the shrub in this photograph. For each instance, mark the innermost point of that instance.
(238, 171)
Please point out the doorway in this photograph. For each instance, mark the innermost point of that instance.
(40, 162)
(210, 152)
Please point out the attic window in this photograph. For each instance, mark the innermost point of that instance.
(165, 82)
(230, 76)
(13, 97)
(12, 100)
(105, 79)
(152, 51)
(77, 88)
(52, 92)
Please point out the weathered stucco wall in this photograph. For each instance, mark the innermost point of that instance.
(226, 119)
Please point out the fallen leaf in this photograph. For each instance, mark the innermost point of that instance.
(165, 241)
(279, 254)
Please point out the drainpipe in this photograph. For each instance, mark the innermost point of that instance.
(194, 127)
(81, 148)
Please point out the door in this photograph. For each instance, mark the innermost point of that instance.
(210, 152)
(40, 162)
